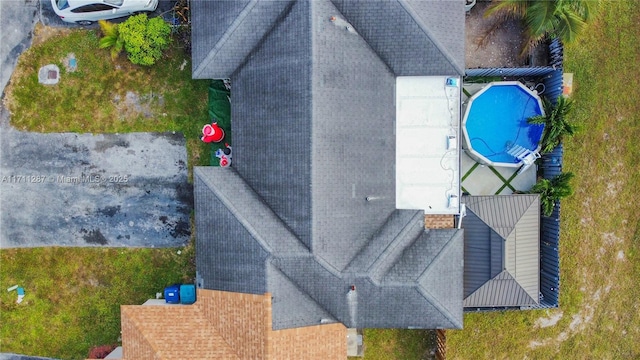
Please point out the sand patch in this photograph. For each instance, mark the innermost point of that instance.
(549, 321)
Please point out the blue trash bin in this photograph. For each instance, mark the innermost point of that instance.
(187, 294)
(172, 294)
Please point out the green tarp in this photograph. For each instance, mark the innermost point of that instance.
(220, 111)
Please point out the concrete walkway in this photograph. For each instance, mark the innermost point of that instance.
(478, 179)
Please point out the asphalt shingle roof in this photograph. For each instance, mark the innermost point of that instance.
(412, 37)
(311, 195)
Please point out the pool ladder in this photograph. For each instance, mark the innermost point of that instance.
(527, 156)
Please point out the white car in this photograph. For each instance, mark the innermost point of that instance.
(85, 12)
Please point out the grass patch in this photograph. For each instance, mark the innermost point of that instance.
(105, 96)
(73, 295)
(384, 344)
(599, 245)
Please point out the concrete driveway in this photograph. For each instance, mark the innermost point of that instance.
(82, 189)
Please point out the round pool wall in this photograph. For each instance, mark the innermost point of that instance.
(495, 119)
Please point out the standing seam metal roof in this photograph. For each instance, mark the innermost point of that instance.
(502, 245)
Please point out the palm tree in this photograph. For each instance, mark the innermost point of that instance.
(111, 38)
(551, 191)
(555, 123)
(561, 18)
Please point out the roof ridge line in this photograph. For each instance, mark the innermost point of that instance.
(143, 334)
(313, 257)
(276, 23)
(199, 308)
(225, 37)
(390, 250)
(513, 278)
(377, 232)
(490, 198)
(446, 246)
(387, 65)
(436, 304)
(228, 203)
(520, 285)
(443, 50)
(324, 263)
(532, 196)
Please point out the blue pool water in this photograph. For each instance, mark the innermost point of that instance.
(497, 120)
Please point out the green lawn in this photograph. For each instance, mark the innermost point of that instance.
(384, 344)
(73, 295)
(106, 96)
(600, 240)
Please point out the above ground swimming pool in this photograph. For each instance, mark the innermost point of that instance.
(495, 121)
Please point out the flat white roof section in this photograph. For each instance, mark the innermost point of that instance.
(428, 144)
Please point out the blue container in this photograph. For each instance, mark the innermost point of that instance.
(172, 294)
(187, 294)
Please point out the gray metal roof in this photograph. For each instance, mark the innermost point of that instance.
(502, 245)
(311, 195)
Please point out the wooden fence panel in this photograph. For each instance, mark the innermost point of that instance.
(441, 344)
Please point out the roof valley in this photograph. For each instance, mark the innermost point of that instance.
(441, 48)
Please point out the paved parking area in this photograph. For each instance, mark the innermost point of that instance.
(93, 190)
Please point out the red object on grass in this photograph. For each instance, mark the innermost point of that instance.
(212, 133)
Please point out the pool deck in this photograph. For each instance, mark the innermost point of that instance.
(478, 179)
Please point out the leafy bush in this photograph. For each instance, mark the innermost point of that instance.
(111, 38)
(145, 39)
(100, 352)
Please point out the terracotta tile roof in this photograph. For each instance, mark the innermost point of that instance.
(223, 325)
(319, 342)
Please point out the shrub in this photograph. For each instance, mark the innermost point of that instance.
(100, 352)
(145, 39)
(111, 38)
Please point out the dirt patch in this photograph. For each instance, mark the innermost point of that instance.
(492, 43)
(43, 33)
(549, 321)
(134, 104)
